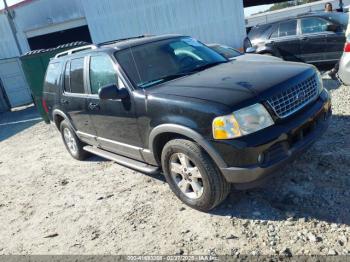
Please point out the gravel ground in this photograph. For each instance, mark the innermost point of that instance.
(53, 204)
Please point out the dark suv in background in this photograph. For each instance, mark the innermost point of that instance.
(315, 38)
(170, 103)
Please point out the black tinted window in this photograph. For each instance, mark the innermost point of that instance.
(259, 31)
(52, 76)
(288, 28)
(77, 76)
(102, 73)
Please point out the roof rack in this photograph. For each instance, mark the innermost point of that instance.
(122, 39)
(75, 50)
(64, 46)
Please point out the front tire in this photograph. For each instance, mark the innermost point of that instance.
(72, 142)
(192, 175)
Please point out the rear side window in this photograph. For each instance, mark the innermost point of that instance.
(77, 76)
(102, 73)
(52, 76)
(288, 28)
(260, 31)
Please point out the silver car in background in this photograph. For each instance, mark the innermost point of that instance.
(344, 64)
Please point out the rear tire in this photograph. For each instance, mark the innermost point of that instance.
(72, 142)
(193, 176)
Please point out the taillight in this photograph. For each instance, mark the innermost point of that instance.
(45, 106)
(347, 47)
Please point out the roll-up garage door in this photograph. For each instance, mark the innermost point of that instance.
(14, 82)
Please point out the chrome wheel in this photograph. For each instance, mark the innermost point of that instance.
(70, 141)
(186, 175)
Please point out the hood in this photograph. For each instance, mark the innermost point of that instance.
(257, 57)
(234, 82)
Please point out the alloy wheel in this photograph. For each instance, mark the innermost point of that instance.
(186, 175)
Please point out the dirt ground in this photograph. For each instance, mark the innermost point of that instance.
(53, 204)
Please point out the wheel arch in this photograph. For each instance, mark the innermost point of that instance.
(58, 117)
(161, 134)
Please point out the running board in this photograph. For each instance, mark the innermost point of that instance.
(125, 161)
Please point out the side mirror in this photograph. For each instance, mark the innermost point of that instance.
(112, 92)
(250, 50)
(333, 28)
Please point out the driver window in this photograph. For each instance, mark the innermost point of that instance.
(102, 73)
(313, 25)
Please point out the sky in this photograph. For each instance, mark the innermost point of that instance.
(9, 3)
(255, 9)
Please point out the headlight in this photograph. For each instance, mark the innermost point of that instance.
(319, 81)
(242, 122)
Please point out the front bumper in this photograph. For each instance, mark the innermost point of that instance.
(303, 131)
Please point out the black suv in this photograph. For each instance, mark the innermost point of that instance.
(315, 38)
(171, 103)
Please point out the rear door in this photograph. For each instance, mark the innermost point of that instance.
(285, 40)
(75, 97)
(318, 44)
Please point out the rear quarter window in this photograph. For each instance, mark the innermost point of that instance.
(52, 77)
(260, 31)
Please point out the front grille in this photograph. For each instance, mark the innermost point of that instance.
(294, 98)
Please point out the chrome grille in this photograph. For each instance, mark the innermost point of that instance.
(294, 98)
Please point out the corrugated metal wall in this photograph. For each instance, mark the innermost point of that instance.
(41, 13)
(33, 15)
(7, 42)
(220, 21)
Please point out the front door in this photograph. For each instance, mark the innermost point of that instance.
(315, 47)
(74, 100)
(285, 40)
(114, 120)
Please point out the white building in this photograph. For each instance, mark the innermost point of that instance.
(272, 16)
(43, 24)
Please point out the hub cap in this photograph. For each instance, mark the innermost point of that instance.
(70, 141)
(186, 175)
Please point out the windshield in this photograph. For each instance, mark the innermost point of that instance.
(156, 62)
(226, 51)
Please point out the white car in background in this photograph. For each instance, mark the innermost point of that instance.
(344, 65)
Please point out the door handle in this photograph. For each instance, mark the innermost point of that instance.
(64, 101)
(304, 38)
(93, 106)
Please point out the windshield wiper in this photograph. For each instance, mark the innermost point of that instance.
(164, 79)
(177, 75)
(206, 66)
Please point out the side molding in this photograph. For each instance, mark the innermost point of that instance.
(185, 131)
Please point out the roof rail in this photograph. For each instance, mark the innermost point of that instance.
(122, 39)
(75, 50)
